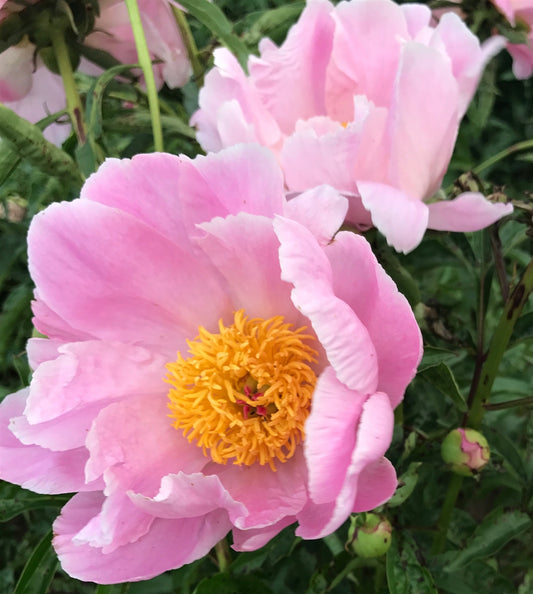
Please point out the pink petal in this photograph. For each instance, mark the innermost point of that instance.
(93, 371)
(188, 496)
(33, 467)
(374, 434)
(253, 539)
(168, 544)
(114, 289)
(382, 309)
(269, 496)
(291, 79)
(377, 483)
(470, 211)
(330, 436)
(324, 200)
(16, 69)
(400, 218)
(244, 248)
(345, 339)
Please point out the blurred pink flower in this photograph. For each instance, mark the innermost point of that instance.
(31, 90)
(519, 11)
(113, 34)
(295, 348)
(366, 96)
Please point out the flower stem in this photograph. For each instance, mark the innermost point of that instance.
(223, 555)
(446, 513)
(527, 401)
(499, 342)
(146, 65)
(74, 106)
(519, 146)
(190, 44)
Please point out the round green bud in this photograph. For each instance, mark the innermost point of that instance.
(466, 451)
(372, 537)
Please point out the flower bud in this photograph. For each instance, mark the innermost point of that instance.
(466, 451)
(371, 535)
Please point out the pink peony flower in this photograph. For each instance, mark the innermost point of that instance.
(294, 348)
(519, 11)
(31, 90)
(366, 96)
(113, 34)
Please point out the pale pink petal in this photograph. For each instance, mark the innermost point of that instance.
(189, 496)
(243, 178)
(40, 350)
(374, 435)
(377, 483)
(417, 17)
(244, 248)
(36, 468)
(420, 142)
(470, 211)
(269, 496)
(368, 36)
(401, 219)
(342, 335)
(330, 436)
(291, 79)
(323, 201)
(114, 289)
(522, 58)
(49, 323)
(253, 539)
(133, 444)
(168, 544)
(381, 307)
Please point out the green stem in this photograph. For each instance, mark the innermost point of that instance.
(510, 403)
(499, 342)
(74, 106)
(223, 555)
(190, 44)
(446, 513)
(145, 63)
(519, 146)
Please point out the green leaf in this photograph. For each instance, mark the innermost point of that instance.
(224, 583)
(435, 355)
(441, 377)
(497, 529)
(39, 569)
(271, 20)
(405, 575)
(215, 20)
(500, 443)
(24, 501)
(29, 143)
(523, 329)
(406, 484)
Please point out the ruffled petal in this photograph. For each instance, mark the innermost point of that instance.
(470, 211)
(36, 468)
(253, 539)
(168, 544)
(346, 341)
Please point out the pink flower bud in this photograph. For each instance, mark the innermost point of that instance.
(466, 451)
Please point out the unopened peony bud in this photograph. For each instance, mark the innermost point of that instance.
(466, 451)
(372, 537)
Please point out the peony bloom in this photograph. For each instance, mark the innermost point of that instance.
(366, 96)
(519, 11)
(31, 90)
(113, 34)
(217, 359)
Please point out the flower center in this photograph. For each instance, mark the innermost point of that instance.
(244, 393)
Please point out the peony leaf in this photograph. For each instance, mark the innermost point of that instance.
(39, 570)
(214, 19)
(441, 377)
(405, 575)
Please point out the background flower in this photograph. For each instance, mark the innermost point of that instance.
(366, 96)
(519, 12)
(155, 249)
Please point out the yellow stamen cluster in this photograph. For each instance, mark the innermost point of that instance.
(244, 393)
